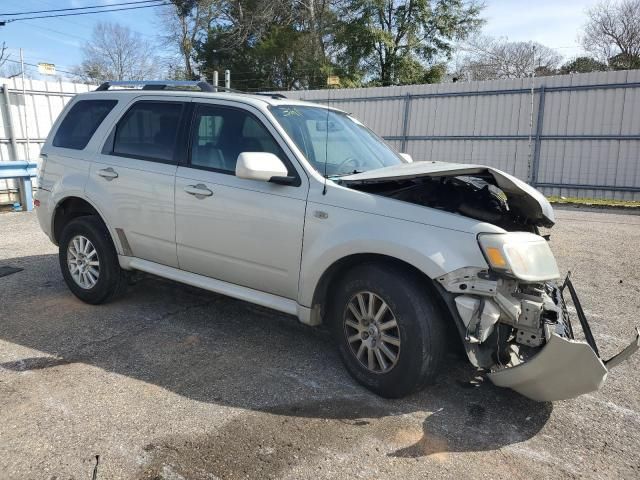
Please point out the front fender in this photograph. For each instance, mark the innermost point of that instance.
(333, 233)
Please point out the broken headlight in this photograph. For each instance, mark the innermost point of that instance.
(525, 256)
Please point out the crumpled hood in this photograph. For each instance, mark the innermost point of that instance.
(528, 200)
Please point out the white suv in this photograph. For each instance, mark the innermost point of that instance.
(301, 208)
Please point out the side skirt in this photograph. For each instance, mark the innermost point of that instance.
(281, 304)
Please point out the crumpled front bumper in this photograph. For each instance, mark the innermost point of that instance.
(564, 367)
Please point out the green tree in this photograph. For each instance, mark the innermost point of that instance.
(391, 42)
(281, 59)
(269, 44)
(287, 44)
(583, 65)
(186, 22)
(624, 61)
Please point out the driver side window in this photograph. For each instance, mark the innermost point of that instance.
(220, 134)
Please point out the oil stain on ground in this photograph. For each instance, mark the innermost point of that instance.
(275, 443)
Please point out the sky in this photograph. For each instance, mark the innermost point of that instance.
(554, 23)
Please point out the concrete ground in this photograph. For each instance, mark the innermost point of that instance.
(172, 382)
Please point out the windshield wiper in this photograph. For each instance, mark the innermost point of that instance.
(344, 174)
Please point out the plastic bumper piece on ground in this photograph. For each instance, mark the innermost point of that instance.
(564, 368)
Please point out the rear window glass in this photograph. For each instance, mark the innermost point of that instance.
(81, 123)
(149, 131)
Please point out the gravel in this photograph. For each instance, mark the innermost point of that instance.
(172, 382)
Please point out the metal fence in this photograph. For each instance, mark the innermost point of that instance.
(572, 135)
(25, 121)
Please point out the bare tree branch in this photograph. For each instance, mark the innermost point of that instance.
(487, 58)
(116, 53)
(612, 33)
(186, 22)
(4, 56)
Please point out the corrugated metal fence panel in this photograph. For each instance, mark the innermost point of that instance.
(493, 123)
(496, 123)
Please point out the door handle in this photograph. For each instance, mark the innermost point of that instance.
(199, 191)
(108, 173)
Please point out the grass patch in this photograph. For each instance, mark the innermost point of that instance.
(599, 202)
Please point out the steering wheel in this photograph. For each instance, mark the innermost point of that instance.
(346, 161)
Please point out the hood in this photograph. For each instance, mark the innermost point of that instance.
(529, 200)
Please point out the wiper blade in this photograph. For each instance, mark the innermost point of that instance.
(344, 174)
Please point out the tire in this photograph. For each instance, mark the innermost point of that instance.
(110, 280)
(420, 332)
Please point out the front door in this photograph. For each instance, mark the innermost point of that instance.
(245, 232)
(133, 177)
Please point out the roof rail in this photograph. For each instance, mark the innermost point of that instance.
(158, 85)
(273, 95)
(178, 85)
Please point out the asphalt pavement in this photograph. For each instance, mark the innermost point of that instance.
(172, 382)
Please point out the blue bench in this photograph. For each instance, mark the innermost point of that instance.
(23, 172)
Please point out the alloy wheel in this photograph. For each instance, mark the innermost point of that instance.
(83, 262)
(372, 332)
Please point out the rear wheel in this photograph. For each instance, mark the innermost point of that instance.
(89, 261)
(389, 331)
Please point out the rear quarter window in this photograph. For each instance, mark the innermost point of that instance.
(81, 122)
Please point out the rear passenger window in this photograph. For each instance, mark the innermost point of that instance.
(149, 131)
(81, 123)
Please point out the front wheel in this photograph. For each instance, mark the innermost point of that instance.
(89, 261)
(389, 331)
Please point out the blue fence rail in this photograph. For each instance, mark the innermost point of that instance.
(23, 172)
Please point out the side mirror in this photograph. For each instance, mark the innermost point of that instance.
(262, 166)
(407, 158)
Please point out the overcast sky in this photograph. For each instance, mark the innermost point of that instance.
(555, 23)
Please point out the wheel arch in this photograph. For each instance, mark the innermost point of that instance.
(323, 288)
(72, 207)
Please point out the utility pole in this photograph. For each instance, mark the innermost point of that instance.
(533, 92)
(24, 98)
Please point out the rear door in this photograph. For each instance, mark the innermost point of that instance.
(241, 231)
(132, 178)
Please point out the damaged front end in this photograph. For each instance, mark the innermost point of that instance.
(512, 316)
(522, 334)
(474, 191)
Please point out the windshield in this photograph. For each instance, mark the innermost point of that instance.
(346, 145)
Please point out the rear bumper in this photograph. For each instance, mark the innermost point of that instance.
(43, 212)
(564, 367)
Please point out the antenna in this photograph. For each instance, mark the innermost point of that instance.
(326, 145)
(331, 80)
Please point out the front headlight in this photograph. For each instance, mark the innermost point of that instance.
(523, 255)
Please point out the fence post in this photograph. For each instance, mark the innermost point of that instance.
(405, 122)
(538, 140)
(12, 137)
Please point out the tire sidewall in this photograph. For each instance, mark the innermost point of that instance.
(92, 229)
(414, 315)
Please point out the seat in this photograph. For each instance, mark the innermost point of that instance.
(208, 156)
